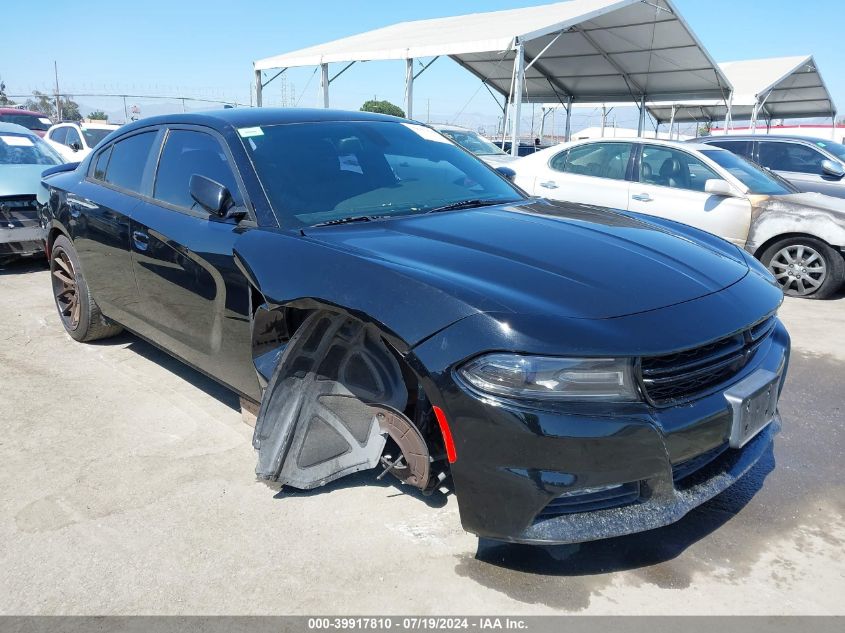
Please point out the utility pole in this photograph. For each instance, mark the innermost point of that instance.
(58, 101)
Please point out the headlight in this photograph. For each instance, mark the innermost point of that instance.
(549, 378)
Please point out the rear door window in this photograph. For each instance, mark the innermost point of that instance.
(102, 163)
(129, 160)
(741, 148)
(189, 152)
(601, 160)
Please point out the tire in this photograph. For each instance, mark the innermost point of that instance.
(79, 313)
(805, 267)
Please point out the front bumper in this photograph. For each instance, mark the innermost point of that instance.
(514, 461)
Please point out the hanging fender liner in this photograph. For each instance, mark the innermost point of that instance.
(323, 411)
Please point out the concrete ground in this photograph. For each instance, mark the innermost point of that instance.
(127, 487)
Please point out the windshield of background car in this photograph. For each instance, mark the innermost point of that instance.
(29, 121)
(319, 172)
(473, 142)
(18, 149)
(758, 181)
(837, 149)
(94, 136)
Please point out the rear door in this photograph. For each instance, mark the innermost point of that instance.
(799, 163)
(592, 173)
(99, 209)
(195, 302)
(670, 184)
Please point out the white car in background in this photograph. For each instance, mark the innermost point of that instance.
(799, 237)
(74, 141)
(473, 142)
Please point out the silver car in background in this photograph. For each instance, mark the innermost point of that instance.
(811, 164)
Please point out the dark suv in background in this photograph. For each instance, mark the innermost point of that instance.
(811, 164)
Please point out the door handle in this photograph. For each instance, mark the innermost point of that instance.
(549, 184)
(642, 197)
(141, 240)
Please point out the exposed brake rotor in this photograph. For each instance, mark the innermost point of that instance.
(412, 465)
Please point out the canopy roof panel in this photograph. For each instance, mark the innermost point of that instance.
(607, 50)
(787, 87)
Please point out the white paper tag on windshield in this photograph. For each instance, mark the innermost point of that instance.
(45, 120)
(246, 132)
(17, 141)
(427, 133)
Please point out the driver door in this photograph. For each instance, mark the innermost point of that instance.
(670, 184)
(194, 300)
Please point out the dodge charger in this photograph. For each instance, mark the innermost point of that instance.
(383, 300)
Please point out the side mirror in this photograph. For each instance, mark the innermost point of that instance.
(833, 168)
(214, 198)
(75, 146)
(507, 172)
(718, 187)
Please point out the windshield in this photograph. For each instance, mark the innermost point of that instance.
(94, 136)
(29, 121)
(18, 149)
(473, 142)
(758, 181)
(837, 149)
(321, 172)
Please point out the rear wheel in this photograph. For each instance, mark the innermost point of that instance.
(805, 267)
(79, 313)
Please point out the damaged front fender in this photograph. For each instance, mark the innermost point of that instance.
(811, 214)
(326, 410)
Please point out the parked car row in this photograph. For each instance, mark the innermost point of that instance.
(799, 237)
(390, 301)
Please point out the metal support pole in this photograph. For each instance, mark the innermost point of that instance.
(258, 88)
(833, 127)
(729, 113)
(641, 124)
(603, 118)
(519, 66)
(409, 88)
(324, 83)
(672, 121)
(568, 131)
(754, 114)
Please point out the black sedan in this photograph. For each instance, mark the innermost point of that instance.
(391, 302)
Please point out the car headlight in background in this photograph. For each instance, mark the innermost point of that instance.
(550, 378)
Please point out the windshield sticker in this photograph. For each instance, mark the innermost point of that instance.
(246, 132)
(17, 141)
(427, 133)
(45, 120)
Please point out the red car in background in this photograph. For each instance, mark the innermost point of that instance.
(35, 121)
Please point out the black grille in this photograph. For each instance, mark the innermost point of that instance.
(625, 494)
(683, 375)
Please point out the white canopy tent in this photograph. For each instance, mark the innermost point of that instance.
(575, 51)
(777, 88)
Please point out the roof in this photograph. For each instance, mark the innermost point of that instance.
(590, 50)
(813, 140)
(20, 111)
(788, 87)
(250, 117)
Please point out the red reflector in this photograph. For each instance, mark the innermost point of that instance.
(451, 454)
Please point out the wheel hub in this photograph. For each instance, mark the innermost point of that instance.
(65, 289)
(799, 269)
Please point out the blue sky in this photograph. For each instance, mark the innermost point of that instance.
(205, 48)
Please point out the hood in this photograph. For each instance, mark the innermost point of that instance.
(18, 180)
(816, 201)
(544, 258)
(496, 160)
